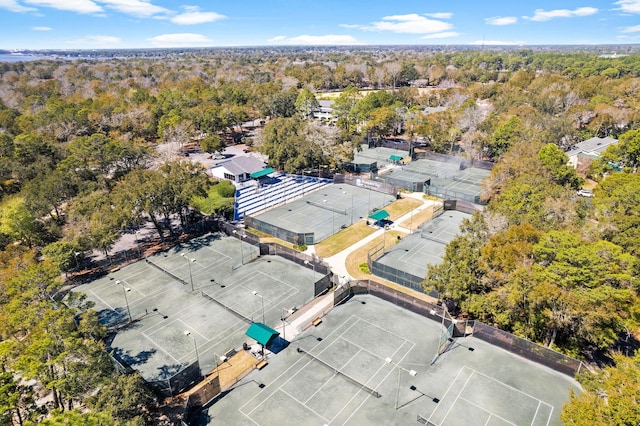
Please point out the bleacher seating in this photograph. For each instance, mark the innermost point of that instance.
(280, 188)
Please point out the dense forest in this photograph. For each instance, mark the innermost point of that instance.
(88, 150)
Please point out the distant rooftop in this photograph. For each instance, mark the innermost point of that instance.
(592, 146)
(242, 164)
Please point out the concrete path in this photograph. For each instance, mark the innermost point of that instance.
(337, 261)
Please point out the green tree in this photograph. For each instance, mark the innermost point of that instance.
(64, 255)
(609, 396)
(211, 143)
(626, 152)
(554, 160)
(617, 208)
(505, 135)
(306, 103)
(16, 401)
(124, 398)
(18, 223)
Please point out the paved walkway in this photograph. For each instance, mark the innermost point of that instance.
(337, 261)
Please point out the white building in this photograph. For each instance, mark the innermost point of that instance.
(238, 169)
(588, 150)
(325, 111)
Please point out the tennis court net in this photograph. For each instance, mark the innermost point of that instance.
(468, 180)
(336, 371)
(428, 236)
(233, 311)
(326, 207)
(172, 275)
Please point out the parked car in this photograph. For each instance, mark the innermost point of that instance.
(585, 193)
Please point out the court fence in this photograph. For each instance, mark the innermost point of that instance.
(377, 184)
(297, 238)
(517, 345)
(391, 273)
(322, 285)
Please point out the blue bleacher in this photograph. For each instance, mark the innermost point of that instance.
(251, 199)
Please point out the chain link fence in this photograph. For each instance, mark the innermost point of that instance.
(517, 345)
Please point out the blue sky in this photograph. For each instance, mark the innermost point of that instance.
(102, 24)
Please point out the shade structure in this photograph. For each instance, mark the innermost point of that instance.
(261, 333)
(262, 173)
(379, 215)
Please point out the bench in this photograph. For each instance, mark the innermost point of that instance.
(316, 321)
(261, 364)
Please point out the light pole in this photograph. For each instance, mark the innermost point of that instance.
(412, 373)
(345, 192)
(195, 345)
(284, 323)
(445, 312)
(241, 250)
(333, 217)
(189, 260)
(126, 301)
(255, 293)
(222, 359)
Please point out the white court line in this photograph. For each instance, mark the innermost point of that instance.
(292, 366)
(491, 413)
(305, 405)
(128, 283)
(459, 393)
(447, 392)
(194, 330)
(509, 386)
(380, 382)
(160, 347)
(335, 374)
(222, 255)
(102, 300)
(386, 331)
(536, 413)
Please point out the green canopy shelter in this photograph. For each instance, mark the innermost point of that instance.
(395, 158)
(262, 173)
(379, 215)
(261, 333)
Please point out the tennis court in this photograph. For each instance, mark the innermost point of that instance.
(326, 211)
(369, 362)
(406, 262)
(380, 155)
(413, 176)
(194, 302)
(466, 185)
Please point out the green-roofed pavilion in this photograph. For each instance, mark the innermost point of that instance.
(261, 333)
(262, 173)
(395, 158)
(379, 215)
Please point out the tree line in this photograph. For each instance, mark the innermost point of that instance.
(83, 159)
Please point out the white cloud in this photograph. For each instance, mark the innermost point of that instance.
(323, 40)
(446, 34)
(634, 29)
(409, 24)
(179, 40)
(496, 43)
(139, 8)
(629, 6)
(193, 16)
(79, 6)
(13, 6)
(544, 15)
(440, 15)
(96, 41)
(501, 20)
(41, 28)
